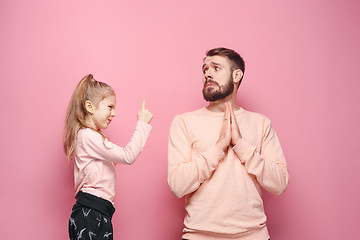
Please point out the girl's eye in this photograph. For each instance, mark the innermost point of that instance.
(217, 68)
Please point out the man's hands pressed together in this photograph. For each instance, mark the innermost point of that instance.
(230, 132)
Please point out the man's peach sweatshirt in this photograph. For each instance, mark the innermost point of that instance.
(222, 189)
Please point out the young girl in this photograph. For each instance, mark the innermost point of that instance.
(92, 108)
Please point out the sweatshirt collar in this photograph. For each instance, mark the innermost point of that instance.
(220, 114)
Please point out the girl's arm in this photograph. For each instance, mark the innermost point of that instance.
(94, 145)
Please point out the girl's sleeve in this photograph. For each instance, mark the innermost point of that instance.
(95, 146)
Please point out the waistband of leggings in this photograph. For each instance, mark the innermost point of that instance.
(96, 203)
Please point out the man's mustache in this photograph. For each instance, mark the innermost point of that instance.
(210, 81)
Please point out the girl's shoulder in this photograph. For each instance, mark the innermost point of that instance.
(87, 133)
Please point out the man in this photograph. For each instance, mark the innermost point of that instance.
(220, 155)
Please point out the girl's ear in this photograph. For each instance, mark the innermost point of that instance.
(89, 107)
(237, 75)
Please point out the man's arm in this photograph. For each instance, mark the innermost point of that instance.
(267, 163)
(187, 172)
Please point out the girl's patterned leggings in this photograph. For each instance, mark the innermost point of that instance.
(87, 222)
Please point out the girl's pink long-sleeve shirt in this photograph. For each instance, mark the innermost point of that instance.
(222, 188)
(94, 170)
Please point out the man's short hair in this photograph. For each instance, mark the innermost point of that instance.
(235, 58)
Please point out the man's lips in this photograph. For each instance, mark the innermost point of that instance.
(210, 84)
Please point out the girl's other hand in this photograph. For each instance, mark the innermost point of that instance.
(144, 114)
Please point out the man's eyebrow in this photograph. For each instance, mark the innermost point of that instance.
(216, 64)
(211, 63)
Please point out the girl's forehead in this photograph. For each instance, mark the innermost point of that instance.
(110, 99)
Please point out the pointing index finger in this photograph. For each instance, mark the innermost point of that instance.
(143, 104)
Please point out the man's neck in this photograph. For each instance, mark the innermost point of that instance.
(219, 105)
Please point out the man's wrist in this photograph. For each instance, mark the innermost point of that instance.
(221, 145)
(235, 142)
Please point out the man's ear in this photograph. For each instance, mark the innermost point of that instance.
(89, 107)
(237, 75)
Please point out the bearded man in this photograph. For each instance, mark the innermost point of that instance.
(220, 156)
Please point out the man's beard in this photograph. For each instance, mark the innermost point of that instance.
(212, 95)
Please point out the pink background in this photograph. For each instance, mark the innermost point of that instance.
(302, 72)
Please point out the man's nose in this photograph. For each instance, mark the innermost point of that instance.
(208, 75)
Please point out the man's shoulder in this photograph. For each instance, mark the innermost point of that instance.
(255, 116)
(197, 112)
(189, 117)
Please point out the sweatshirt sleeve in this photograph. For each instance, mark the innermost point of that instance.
(267, 163)
(187, 171)
(105, 150)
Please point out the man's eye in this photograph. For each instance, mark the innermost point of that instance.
(217, 68)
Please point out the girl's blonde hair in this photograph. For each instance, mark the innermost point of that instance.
(88, 89)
